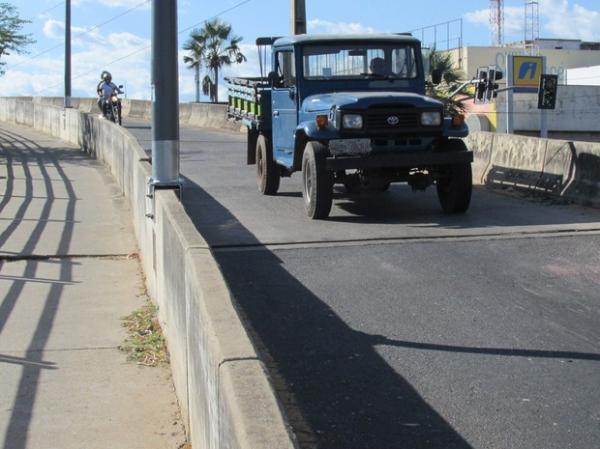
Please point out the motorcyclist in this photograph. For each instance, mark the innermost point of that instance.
(105, 89)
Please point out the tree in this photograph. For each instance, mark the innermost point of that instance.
(11, 38)
(214, 45)
(451, 77)
(197, 49)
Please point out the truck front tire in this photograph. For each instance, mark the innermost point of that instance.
(267, 171)
(455, 184)
(317, 181)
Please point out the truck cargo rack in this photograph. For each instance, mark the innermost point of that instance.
(244, 97)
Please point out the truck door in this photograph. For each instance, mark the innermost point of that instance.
(285, 108)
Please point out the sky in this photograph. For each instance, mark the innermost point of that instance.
(114, 35)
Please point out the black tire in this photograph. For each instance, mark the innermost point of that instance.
(112, 116)
(267, 171)
(455, 185)
(317, 181)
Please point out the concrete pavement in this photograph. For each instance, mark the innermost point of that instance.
(68, 273)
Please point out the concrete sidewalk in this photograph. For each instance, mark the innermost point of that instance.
(68, 273)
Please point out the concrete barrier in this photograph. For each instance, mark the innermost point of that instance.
(481, 144)
(554, 168)
(585, 177)
(225, 395)
(205, 115)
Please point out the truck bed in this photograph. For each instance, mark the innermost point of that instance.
(249, 101)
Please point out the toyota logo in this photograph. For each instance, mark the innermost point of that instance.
(393, 120)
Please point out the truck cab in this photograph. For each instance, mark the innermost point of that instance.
(352, 109)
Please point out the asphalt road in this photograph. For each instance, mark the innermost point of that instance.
(391, 325)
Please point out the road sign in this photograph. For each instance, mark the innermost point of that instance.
(527, 72)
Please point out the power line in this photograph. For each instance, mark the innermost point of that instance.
(51, 8)
(237, 5)
(81, 33)
(147, 47)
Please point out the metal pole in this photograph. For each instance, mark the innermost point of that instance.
(543, 112)
(165, 101)
(298, 8)
(68, 54)
(509, 95)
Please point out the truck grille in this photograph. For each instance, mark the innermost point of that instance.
(391, 120)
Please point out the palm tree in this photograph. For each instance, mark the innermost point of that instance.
(451, 77)
(196, 48)
(221, 48)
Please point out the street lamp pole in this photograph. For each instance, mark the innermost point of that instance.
(67, 54)
(298, 8)
(165, 100)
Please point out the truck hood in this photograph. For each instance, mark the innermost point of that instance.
(362, 100)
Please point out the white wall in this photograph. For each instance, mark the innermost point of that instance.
(577, 109)
(584, 76)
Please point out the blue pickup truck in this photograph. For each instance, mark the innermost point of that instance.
(351, 110)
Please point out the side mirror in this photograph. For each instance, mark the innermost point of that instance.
(274, 79)
(436, 76)
(120, 86)
(499, 75)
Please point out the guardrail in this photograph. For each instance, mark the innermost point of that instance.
(225, 395)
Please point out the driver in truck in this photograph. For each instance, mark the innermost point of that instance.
(377, 66)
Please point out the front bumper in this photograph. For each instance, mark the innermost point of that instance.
(416, 159)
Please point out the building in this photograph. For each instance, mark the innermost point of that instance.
(561, 55)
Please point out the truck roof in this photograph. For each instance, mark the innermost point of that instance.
(345, 38)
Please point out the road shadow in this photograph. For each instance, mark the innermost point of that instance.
(28, 154)
(342, 388)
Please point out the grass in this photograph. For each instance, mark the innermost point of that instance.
(145, 343)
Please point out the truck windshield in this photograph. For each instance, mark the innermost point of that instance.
(330, 62)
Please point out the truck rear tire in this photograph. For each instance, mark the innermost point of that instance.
(455, 186)
(454, 189)
(267, 171)
(317, 181)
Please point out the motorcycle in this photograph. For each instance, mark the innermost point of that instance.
(112, 108)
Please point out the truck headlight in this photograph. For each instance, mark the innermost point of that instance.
(431, 119)
(352, 121)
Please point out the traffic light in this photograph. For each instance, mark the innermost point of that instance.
(547, 92)
(492, 87)
(481, 85)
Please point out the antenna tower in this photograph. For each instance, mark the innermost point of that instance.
(532, 22)
(497, 21)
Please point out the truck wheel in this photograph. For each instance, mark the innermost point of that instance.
(267, 172)
(454, 189)
(317, 181)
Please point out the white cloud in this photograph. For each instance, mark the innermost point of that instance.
(560, 19)
(54, 29)
(573, 23)
(328, 27)
(514, 18)
(125, 55)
